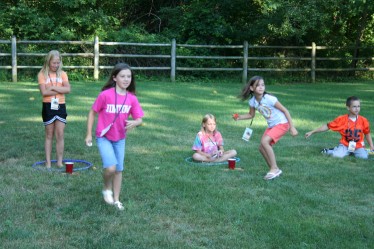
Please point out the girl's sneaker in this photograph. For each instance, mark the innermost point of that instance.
(108, 196)
(119, 205)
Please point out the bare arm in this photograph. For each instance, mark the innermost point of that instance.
(370, 141)
(130, 124)
(208, 156)
(90, 122)
(50, 90)
(221, 150)
(64, 89)
(46, 90)
(322, 128)
(250, 115)
(283, 109)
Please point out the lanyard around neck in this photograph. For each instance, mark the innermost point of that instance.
(259, 103)
(115, 105)
(50, 80)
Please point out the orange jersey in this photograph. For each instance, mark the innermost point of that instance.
(351, 130)
(54, 81)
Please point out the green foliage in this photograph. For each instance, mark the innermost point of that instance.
(327, 22)
(209, 22)
(348, 24)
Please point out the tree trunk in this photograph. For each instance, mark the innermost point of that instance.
(360, 30)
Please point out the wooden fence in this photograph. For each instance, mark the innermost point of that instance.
(243, 56)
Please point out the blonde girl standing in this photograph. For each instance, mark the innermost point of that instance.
(53, 85)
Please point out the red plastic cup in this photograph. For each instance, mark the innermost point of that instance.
(231, 162)
(69, 167)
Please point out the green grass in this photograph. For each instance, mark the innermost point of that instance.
(319, 202)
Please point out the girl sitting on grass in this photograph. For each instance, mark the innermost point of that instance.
(208, 145)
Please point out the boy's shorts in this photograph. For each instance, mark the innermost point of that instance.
(276, 132)
(112, 153)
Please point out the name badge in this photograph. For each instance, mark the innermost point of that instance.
(103, 132)
(54, 104)
(351, 146)
(247, 134)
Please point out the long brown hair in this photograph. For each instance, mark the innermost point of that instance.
(118, 68)
(246, 91)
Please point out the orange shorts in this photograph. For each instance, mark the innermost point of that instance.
(276, 132)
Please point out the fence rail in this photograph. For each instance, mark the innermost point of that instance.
(243, 57)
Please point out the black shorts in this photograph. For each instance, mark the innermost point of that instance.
(50, 116)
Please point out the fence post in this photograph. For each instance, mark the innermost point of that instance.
(173, 59)
(313, 63)
(245, 62)
(14, 59)
(96, 58)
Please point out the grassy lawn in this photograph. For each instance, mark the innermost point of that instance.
(318, 202)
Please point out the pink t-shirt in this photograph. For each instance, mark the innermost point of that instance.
(107, 108)
(206, 143)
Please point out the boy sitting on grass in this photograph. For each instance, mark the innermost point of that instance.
(353, 128)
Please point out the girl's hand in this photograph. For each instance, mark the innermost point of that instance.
(220, 153)
(293, 131)
(308, 134)
(88, 141)
(48, 87)
(235, 116)
(131, 124)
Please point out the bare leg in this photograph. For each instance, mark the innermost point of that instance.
(268, 153)
(59, 133)
(117, 183)
(49, 130)
(226, 155)
(200, 158)
(108, 176)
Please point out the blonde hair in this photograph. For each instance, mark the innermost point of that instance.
(205, 119)
(45, 69)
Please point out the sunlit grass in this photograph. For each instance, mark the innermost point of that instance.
(319, 202)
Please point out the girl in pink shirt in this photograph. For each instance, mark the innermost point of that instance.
(114, 105)
(208, 144)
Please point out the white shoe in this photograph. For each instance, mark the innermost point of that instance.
(119, 205)
(108, 196)
(272, 175)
